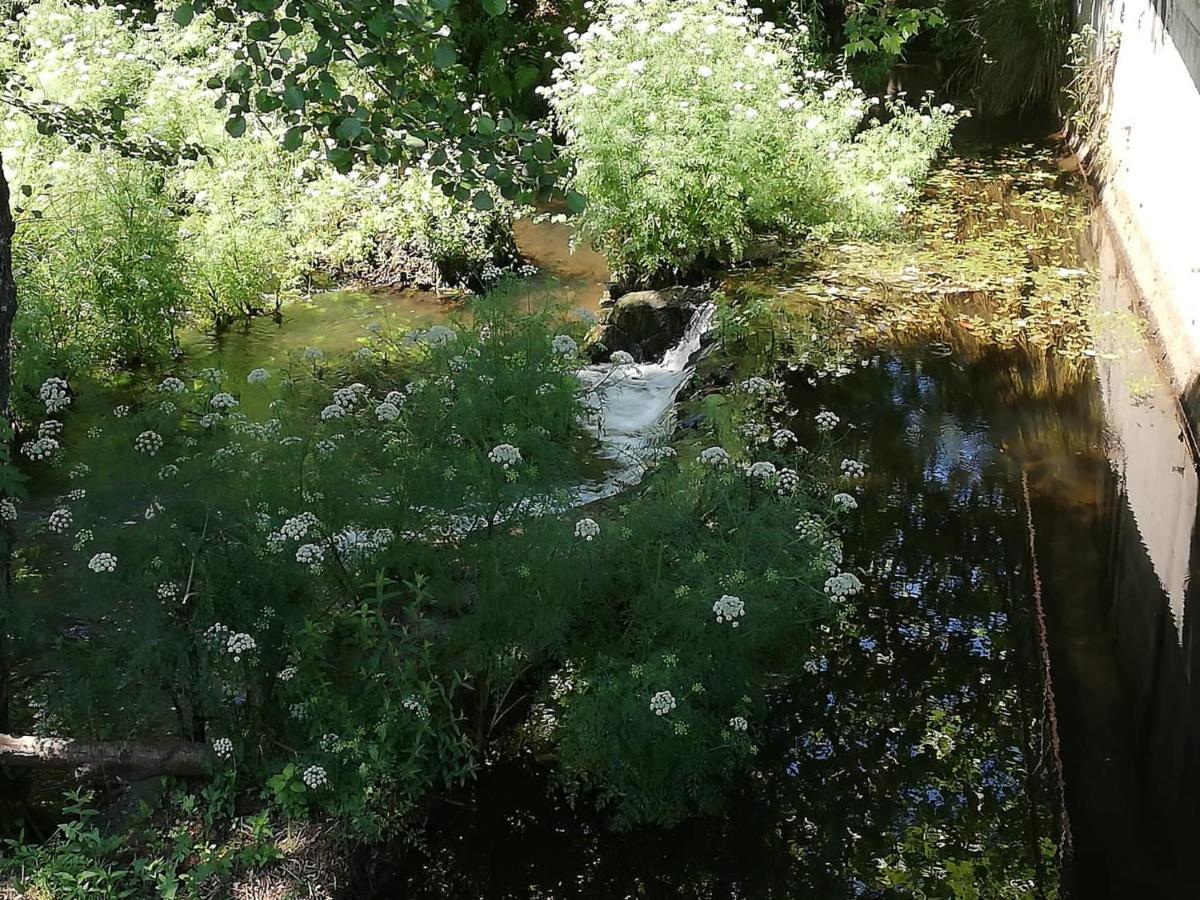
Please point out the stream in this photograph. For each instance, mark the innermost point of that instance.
(1008, 707)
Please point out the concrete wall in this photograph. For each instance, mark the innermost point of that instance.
(1151, 191)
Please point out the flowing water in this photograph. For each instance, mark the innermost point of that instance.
(1008, 708)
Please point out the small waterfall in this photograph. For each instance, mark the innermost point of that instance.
(631, 408)
(631, 411)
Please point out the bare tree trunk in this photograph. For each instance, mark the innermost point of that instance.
(184, 758)
(8, 312)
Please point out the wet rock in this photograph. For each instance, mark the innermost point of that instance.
(644, 324)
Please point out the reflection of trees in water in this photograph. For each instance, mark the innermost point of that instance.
(914, 756)
(922, 733)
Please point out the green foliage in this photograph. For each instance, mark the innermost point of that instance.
(883, 27)
(361, 82)
(1012, 52)
(115, 255)
(694, 126)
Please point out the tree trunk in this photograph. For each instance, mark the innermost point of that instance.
(184, 758)
(8, 312)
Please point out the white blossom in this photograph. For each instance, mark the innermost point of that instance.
(756, 386)
(103, 562)
(852, 468)
(564, 345)
(258, 376)
(51, 428)
(310, 554)
(172, 385)
(845, 584)
(168, 590)
(587, 529)
(716, 457)
(826, 421)
(223, 402)
(223, 747)
(148, 442)
(53, 393)
(739, 723)
(662, 703)
(845, 502)
(387, 412)
(782, 437)
(314, 778)
(505, 455)
(729, 609)
(287, 674)
(8, 509)
(761, 470)
(332, 411)
(60, 521)
(42, 448)
(416, 706)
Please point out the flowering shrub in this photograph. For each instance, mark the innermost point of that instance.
(695, 125)
(114, 256)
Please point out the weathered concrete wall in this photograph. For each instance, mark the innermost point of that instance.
(1152, 180)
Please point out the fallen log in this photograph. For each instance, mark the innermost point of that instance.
(183, 758)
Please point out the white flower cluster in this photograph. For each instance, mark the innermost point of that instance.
(8, 509)
(315, 778)
(353, 542)
(60, 521)
(51, 428)
(172, 386)
(787, 482)
(729, 609)
(312, 354)
(782, 437)
(715, 457)
(387, 412)
(53, 393)
(852, 468)
(212, 375)
(79, 470)
(505, 455)
(739, 723)
(258, 376)
(298, 526)
(223, 402)
(809, 527)
(416, 706)
(168, 590)
(564, 345)
(826, 421)
(756, 386)
(845, 502)
(348, 397)
(239, 645)
(287, 673)
(332, 411)
(103, 562)
(223, 747)
(763, 471)
(662, 703)
(587, 529)
(121, 411)
(436, 336)
(621, 358)
(310, 554)
(170, 470)
(148, 442)
(845, 584)
(42, 448)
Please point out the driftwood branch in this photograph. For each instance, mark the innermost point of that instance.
(182, 758)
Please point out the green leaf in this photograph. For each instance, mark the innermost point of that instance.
(294, 137)
(486, 126)
(576, 202)
(236, 126)
(293, 97)
(495, 7)
(349, 129)
(184, 14)
(444, 55)
(482, 201)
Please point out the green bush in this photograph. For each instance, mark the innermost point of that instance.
(115, 256)
(694, 126)
(355, 593)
